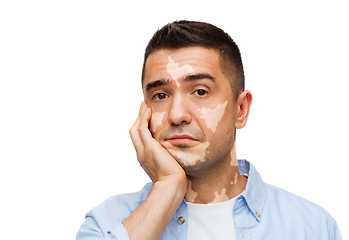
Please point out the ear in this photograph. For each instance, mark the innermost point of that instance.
(243, 105)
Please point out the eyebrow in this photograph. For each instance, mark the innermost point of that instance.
(199, 76)
(157, 83)
(194, 77)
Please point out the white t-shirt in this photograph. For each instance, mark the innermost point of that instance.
(211, 221)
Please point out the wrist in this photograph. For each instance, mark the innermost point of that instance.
(173, 188)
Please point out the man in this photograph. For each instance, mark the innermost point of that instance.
(184, 136)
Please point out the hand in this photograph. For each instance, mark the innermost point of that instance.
(154, 159)
(151, 218)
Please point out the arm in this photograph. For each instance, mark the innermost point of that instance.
(150, 220)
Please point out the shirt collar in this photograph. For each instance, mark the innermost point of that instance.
(254, 194)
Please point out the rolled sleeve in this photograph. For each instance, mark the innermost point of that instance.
(90, 231)
(119, 232)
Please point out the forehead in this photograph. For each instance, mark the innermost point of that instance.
(200, 59)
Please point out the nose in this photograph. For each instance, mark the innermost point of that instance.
(179, 111)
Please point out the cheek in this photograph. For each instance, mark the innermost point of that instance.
(213, 116)
(156, 121)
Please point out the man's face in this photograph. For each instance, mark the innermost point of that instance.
(193, 111)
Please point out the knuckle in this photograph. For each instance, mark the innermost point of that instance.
(140, 158)
(132, 129)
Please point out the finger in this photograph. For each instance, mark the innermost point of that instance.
(135, 136)
(144, 132)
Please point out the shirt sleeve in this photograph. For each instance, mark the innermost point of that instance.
(90, 231)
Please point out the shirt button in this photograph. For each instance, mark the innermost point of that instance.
(258, 215)
(181, 220)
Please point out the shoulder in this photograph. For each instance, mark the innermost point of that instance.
(292, 201)
(127, 199)
(279, 194)
(117, 208)
(297, 210)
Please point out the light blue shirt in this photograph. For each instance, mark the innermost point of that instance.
(261, 212)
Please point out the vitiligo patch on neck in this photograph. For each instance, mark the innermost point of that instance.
(176, 71)
(213, 116)
(191, 194)
(220, 197)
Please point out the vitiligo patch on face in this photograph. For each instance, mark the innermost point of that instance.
(192, 155)
(156, 120)
(176, 71)
(213, 116)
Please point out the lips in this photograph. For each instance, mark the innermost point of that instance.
(182, 137)
(182, 141)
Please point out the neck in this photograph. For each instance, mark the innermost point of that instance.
(218, 185)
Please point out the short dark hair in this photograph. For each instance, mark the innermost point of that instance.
(183, 34)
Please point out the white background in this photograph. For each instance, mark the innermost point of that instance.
(70, 90)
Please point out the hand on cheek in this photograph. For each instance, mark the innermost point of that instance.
(154, 159)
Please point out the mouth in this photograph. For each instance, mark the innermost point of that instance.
(182, 140)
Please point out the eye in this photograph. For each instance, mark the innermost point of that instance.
(201, 92)
(160, 96)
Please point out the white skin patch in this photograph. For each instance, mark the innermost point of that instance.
(233, 162)
(213, 116)
(156, 120)
(190, 156)
(236, 178)
(176, 71)
(220, 197)
(190, 195)
(233, 158)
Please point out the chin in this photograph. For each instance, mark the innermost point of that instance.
(186, 157)
(197, 170)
